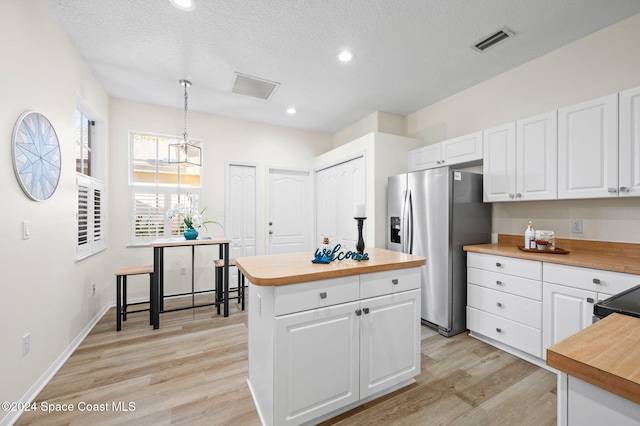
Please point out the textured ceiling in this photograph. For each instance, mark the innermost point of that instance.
(409, 53)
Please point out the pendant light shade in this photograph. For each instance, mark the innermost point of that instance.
(185, 152)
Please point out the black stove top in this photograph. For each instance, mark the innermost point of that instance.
(627, 302)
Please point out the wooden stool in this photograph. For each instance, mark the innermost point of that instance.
(121, 291)
(219, 264)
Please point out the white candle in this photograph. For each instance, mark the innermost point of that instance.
(358, 210)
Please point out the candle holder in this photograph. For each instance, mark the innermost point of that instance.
(360, 244)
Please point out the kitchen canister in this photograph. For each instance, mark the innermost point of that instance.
(547, 237)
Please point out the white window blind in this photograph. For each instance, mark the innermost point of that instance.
(90, 216)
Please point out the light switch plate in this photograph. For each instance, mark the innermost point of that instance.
(26, 231)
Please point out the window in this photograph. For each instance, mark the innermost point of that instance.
(91, 196)
(156, 186)
(83, 143)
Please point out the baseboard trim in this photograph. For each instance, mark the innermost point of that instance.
(37, 387)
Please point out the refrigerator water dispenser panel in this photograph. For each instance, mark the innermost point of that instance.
(395, 230)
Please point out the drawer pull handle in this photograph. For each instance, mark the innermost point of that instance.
(499, 330)
(499, 282)
(498, 264)
(365, 310)
(499, 305)
(323, 295)
(590, 300)
(596, 281)
(394, 281)
(358, 312)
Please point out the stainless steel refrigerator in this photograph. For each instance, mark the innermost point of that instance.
(434, 213)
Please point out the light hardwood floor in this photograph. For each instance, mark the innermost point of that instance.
(193, 371)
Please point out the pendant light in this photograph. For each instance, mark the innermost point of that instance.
(185, 152)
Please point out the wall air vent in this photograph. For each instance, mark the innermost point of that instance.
(493, 39)
(253, 86)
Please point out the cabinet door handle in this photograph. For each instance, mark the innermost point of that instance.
(612, 190)
(590, 300)
(498, 264)
(323, 295)
(394, 281)
(499, 282)
(499, 330)
(358, 312)
(499, 305)
(624, 189)
(596, 281)
(365, 310)
(512, 196)
(518, 195)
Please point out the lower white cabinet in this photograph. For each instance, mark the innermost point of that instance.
(316, 348)
(530, 305)
(504, 301)
(566, 311)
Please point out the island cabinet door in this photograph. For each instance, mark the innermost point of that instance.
(389, 341)
(316, 363)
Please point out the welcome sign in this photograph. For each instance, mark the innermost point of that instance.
(326, 256)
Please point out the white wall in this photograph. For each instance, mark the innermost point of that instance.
(382, 122)
(44, 292)
(224, 140)
(605, 62)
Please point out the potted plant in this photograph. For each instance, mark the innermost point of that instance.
(542, 244)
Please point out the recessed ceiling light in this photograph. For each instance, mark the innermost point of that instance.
(184, 4)
(291, 110)
(346, 55)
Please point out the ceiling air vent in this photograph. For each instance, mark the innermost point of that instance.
(253, 86)
(493, 39)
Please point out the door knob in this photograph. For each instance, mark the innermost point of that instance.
(270, 223)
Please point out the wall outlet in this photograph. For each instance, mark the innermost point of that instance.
(576, 226)
(93, 289)
(26, 344)
(183, 270)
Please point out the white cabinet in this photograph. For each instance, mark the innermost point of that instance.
(389, 341)
(317, 362)
(569, 293)
(504, 301)
(588, 149)
(629, 144)
(460, 150)
(520, 160)
(426, 157)
(566, 311)
(320, 346)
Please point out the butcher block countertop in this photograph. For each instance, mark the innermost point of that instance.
(608, 256)
(280, 269)
(605, 354)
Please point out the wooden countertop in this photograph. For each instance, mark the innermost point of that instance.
(605, 354)
(617, 257)
(293, 268)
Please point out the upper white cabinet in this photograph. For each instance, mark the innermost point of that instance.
(520, 160)
(499, 167)
(463, 149)
(588, 149)
(629, 144)
(537, 157)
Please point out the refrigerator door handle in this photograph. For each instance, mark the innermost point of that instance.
(406, 245)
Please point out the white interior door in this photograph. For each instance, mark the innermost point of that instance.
(240, 221)
(289, 211)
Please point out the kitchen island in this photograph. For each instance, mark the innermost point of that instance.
(325, 338)
(599, 379)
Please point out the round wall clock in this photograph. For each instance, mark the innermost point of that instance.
(36, 155)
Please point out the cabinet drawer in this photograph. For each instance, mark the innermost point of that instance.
(315, 294)
(589, 279)
(507, 283)
(509, 332)
(516, 308)
(531, 269)
(387, 282)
